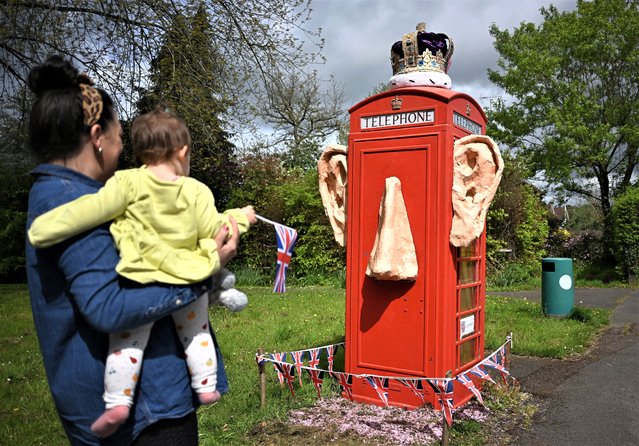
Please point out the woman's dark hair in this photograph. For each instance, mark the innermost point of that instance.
(56, 127)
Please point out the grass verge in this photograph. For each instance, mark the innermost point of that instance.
(537, 335)
(302, 318)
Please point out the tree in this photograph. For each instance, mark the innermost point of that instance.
(626, 217)
(517, 220)
(575, 96)
(185, 76)
(115, 40)
(15, 182)
(291, 197)
(301, 113)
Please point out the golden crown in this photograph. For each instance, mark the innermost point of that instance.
(421, 51)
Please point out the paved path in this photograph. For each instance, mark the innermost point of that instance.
(593, 401)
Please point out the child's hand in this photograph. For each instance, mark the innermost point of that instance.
(250, 214)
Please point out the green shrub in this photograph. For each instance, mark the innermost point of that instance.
(625, 217)
(12, 239)
(290, 197)
(511, 275)
(517, 221)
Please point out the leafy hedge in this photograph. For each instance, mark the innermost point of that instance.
(517, 223)
(290, 197)
(625, 217)
(12, 240)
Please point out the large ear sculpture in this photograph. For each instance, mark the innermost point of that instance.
(333, 178)
(478, 166)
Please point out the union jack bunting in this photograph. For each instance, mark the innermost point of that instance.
(417, 387)
(494, 362)
(317, 376)
(279, 357)
(330, 352)
(345, 381)
(470, 385)
(381, 387)
(501, 359)
(298, 358)
(481, 373)
(288, 371)
(286, 239)
(314, 357)
(444, 390)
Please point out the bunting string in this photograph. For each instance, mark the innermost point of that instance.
(308, 360)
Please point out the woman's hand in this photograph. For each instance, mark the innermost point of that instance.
(227, 249)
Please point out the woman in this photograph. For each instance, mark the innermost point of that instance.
(74, 288)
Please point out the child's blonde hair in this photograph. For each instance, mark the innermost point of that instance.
(155, 135)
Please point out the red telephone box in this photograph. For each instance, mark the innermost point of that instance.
(435, 324)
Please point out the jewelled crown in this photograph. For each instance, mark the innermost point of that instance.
(421, 51)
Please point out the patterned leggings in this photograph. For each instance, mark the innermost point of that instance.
(124, 363)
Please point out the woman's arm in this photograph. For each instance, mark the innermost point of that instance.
(108, 302)
(112, 304)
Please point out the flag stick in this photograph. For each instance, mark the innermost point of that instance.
(265, 220)
(445, 433)
(262, 381)
(509, 338)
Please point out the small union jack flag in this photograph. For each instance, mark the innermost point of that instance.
(298, 358)
(444, 390)
(288, 372)
(417, 387)
(501, 359)
(286, 239)
(481, 373)
(381, 387)
(330, 352)
(260, 360)
(495, 362)
(345, 381)
(279, 357)
(470, 385)
(317, 376)
(314, 357)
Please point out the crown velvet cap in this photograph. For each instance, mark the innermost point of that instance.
(421, 51)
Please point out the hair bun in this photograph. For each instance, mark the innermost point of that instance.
(55, 73)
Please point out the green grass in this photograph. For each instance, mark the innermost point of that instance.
(27, 414)
(302, 318)
(537, 335)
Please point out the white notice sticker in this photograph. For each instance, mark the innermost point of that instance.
(467, 325)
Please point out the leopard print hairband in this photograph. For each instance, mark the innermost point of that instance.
(91, 104)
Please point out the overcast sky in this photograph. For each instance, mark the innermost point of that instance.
(359, 35)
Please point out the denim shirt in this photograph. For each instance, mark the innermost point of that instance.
(77, 297)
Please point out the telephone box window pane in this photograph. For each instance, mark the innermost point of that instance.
(467, 272)
(467, 352)
(467, 298)
(466, 251)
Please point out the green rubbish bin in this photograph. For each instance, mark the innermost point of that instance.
(557, 290)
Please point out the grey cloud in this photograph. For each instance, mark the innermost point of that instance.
(359, 34)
